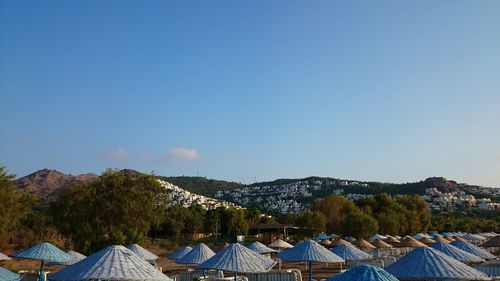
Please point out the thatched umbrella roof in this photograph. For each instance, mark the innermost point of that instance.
(363, 244)
(409, 242)
(493, 242)
(392, 240)
(381, 244)
(427, 241)
(449, 238)
(338, 242)
(458, 238)
(326, 243)
(441, 239)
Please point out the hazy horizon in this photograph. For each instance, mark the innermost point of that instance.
(392, 91)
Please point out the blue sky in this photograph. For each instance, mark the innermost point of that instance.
(392, 91)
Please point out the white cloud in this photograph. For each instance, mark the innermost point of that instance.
(118, 155)
(181, 155)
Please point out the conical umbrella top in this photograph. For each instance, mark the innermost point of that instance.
(456, 253)
(410, 242)
(428, 263)
(349, 252)
(76, 258)
(260, 248)
(392, 240)
(338, 242)
(280, 244)
(377, 236)
(4, 257)
(441, 239)
(381, 244)
(44, 252)
(143, 253)
(472, 249)
(7, 275)
(362, 243)
(179, 253)
(238, 258)
(199, 254)
(364, 272)
(110, 263)
(309, 250)
(427, 241)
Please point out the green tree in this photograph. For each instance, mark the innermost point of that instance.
(113, 209)
(313, 222)
(359, 224)
(334, 208)
(235, 222)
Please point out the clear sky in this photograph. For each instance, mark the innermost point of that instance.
(392, 91)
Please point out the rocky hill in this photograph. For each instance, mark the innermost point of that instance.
(46, 183)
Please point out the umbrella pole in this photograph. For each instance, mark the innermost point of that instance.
(41, 272)
(310, 271)
(235, 276)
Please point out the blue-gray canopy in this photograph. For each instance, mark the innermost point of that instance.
(110, 263)
(260, 248)
(76, 258)
(238, 258)
(428, 263)
(472, 249)
(179, 253)
(143, 253)
(7, 275)
(43, 252)
(364, 273)
(199, 254)
(350, 252)
(309, 250)
(456, 253)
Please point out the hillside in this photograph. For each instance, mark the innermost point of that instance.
(201, 185)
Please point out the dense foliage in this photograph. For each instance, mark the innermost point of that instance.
(113, 209)
(201, 185)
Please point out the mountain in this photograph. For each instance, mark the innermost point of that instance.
(46, 183)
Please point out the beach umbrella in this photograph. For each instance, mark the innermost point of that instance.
(381, 244)
(410, 242)
(493, 242)
(260, 248)
(364, 272)
(363, 244)
(4, 257)
(350, 239)
(441, 239)
(7, 275)
(43, 252)
(339, 241)
(325, 243)
(474, 237)
(309, 251)
(392, 240)
(419, 236)
(199, 254)
(397, 237)
(377, 236)
(456, 253)
(449, 238)
(179, 253)
(280, 244)
(472, 249)
(111, 263)
(425, 263)
(349, 252)
(322, 236)
(76, 258)
(427, 241)
(458, 238)
(238, 259)
(143, 253)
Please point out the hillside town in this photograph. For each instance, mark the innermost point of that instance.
(184, 198)
(438, 200)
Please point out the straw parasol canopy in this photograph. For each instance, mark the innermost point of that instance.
(493, 242)
(392, 240)
(364, 272)
(449, 238)
(377, 236)
(409, 242)
(325, 243)
(179, 253)
(456, 253)
(76, 258)
(280, 244)
(199, 254)
(419, 236)
(456, 237)
(260, 248)
(7, 275)
(472, 249)
(338, 241)
(441, 239)
(309, 251)
(427, 241)
(349, 252)
(425, 263)
(381, 244)
(238, 259)
(363, 244)
(4, 257)
(43, 252)
(111, 263)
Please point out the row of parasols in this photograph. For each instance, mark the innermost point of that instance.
(120, 263)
